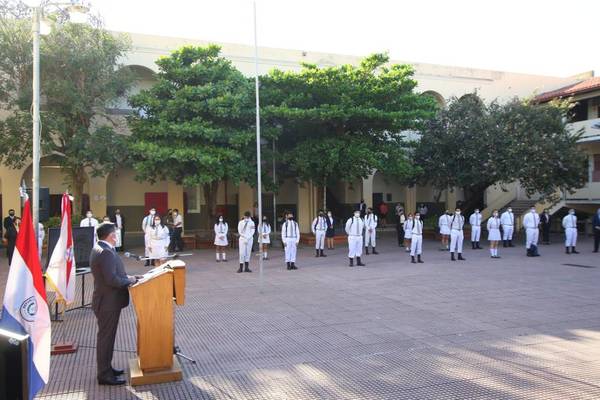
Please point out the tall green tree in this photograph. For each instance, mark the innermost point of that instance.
(471, 145)
(195, 125)
(81, 76)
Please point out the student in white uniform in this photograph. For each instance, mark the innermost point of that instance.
(246, 229)
(290, 235)
(416, 245)
(408, 225)
(319, 229)
(444, 225)
(457, 236)
(41, 236)
(569, 222)
(354, 229)
(330, 233)
(89, 220)
(221, 230)
(146, 222)
(493, 227)
(531, 223)
(475, 222)
(159, 240)
(508, 225)
(264, 236)
(370, 231)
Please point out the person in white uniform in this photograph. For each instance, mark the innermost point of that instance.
(457, 236)
(416, 244)
(159, 240)
(146, 222)
(246, 229)
(475, 222)
(264, 236)
(319, 229)
(89, 220)
(493, 228)
(370, 231)
(221, 229)
(41, 236)
(354, 229)
(531, 223)
(444, 225)
(569, 223)
(408, 225)
(507, 219)
(290, 235)
(118, 220)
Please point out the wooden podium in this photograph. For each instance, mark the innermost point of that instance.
(152, 298)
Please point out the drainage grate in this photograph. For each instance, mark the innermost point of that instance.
(580, 266)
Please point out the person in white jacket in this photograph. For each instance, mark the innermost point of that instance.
(416, 244)
(146, 222)
(41, 236)
(569, 223)
(457, 224)
(246, 229)
(531, 222)
(444, 225)
(475, 221)
(319, 229)
(158, 236)
(493, 228)
(408, 226)
(355, 227)
(507, 219)
(90, 221)
(370, 231)
(221, 229)
(290, 235)
(264, 236)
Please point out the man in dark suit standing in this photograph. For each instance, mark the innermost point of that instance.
(596, 229)
(110, 296)
(545, 221)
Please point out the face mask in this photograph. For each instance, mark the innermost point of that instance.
(88, 215)
(220, 219)
(152, 212)
(329, 214)
(156, 221)
(495, 214)
(458, 213)
(12, 214)
(174, 214)
(356, 215)
(572, 212)
(476, 211)
(418, 217)
(106, 220)
(264, 219)
(533, 210)
(290, 218)
(510, 210)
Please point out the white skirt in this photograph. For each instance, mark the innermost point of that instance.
(159, 249)
(494, 234)
(221, 242)
(444, 230)
(407, 234)
(266, 239)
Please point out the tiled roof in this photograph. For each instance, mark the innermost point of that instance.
(570, 90)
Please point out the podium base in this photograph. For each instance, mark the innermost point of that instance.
(63, 348)
(138, 377)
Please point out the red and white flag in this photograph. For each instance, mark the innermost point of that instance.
(60, 273)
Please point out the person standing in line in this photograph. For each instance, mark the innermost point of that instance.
(545, 220)
(457, 236)
(246, 229)
(475, 222)
(221, 230)
(319, 229)
(444, 225)
(354, 229)
(400, 219)
(90, 221)
(493, 227)
(362, 208)
(119, 222)
(508, 225)
(423, 210)
(177, 230)
(330, 234)
(383, 212)
(596, 229)
(408, 226)
(11, 238)
(569, 223)
(416, 245)
(146, 222)
(370, 231)
(159, 237)
(531, 223)
(9, 221)
(41, 236)
(290, 234)
(264, 236)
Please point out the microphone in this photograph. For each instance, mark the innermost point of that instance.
(131, 255)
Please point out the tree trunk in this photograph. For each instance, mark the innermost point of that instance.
(324, 197)
(78, 178)
(210, 198)
(474, 197)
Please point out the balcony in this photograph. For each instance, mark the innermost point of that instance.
(591, 130)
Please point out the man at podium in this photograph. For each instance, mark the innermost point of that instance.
(110, 296)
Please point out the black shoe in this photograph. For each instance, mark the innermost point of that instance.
(218, 260)
(374, 252)
(366, 250)
(289, 266)
(241, 269)
(114, 381)
(460, 257)
(247, 268)
(452, 257)
(504, 243)
(419, 259)
(567, 250)
(574, 251)
(412, 259)
(359, 262)
(147, 263)
(351, 262)
(117, 372)
(529, 253)
(293, 266)
(323, 254)
(478, 247)
(472, 245)
(510, 244)
(317, 251)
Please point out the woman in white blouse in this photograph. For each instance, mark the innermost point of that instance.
(221, 229)
(264, 236)
(159, 240)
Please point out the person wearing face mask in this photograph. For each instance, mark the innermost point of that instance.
(531, 223)
(159, 240)
(146, 222)
(370, 230)
(11, 238)
(416, 245)
(444, 225)
(493, 227)
(408, 226)
(264, 236)
(507, 219)
(221, 229)
(119, 221)
(246, 229)
(457, 223)
(569, 223)
(319, 229)
(177, 230)
(596, 229)
(9, 221)
(330, 233)
(90, 221)
(354, 229)
(290, 234)
(475, 222)
(545, 222)
(400, 219)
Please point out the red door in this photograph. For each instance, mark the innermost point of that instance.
(158, 200)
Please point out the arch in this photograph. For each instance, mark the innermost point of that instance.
(144, 78)
(439, 99)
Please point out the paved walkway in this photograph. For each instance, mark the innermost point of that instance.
(514, 328)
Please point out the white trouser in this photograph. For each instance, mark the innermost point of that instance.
(290, 249)
(146, 246)
(531, 235)
(507, 232)
(355, 246)
(416, 245)
(456, 241)
(245, 248)
(319, 239)
(570, 237)
(475, 233)
(370, 238)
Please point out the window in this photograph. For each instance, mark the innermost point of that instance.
(192, 195)
(596, 168)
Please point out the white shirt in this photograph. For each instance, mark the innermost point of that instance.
(475, 219)
(417, 227)
(355, 226)
(221, 228)
(531, 220)
(319, 224)
(444, 220)
(89, 222)
(147, 221)
(371, 221)
(569, 221)
(457, 222)
(507, 218)
(290, 230)
(493, 223)
(178, 221)
(264, 229)
(246, 228)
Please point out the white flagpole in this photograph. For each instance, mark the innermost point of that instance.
(258, 162)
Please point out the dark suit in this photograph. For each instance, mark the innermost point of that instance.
(113, 219)
(110, 296)
(596, 228)
(545, 221)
